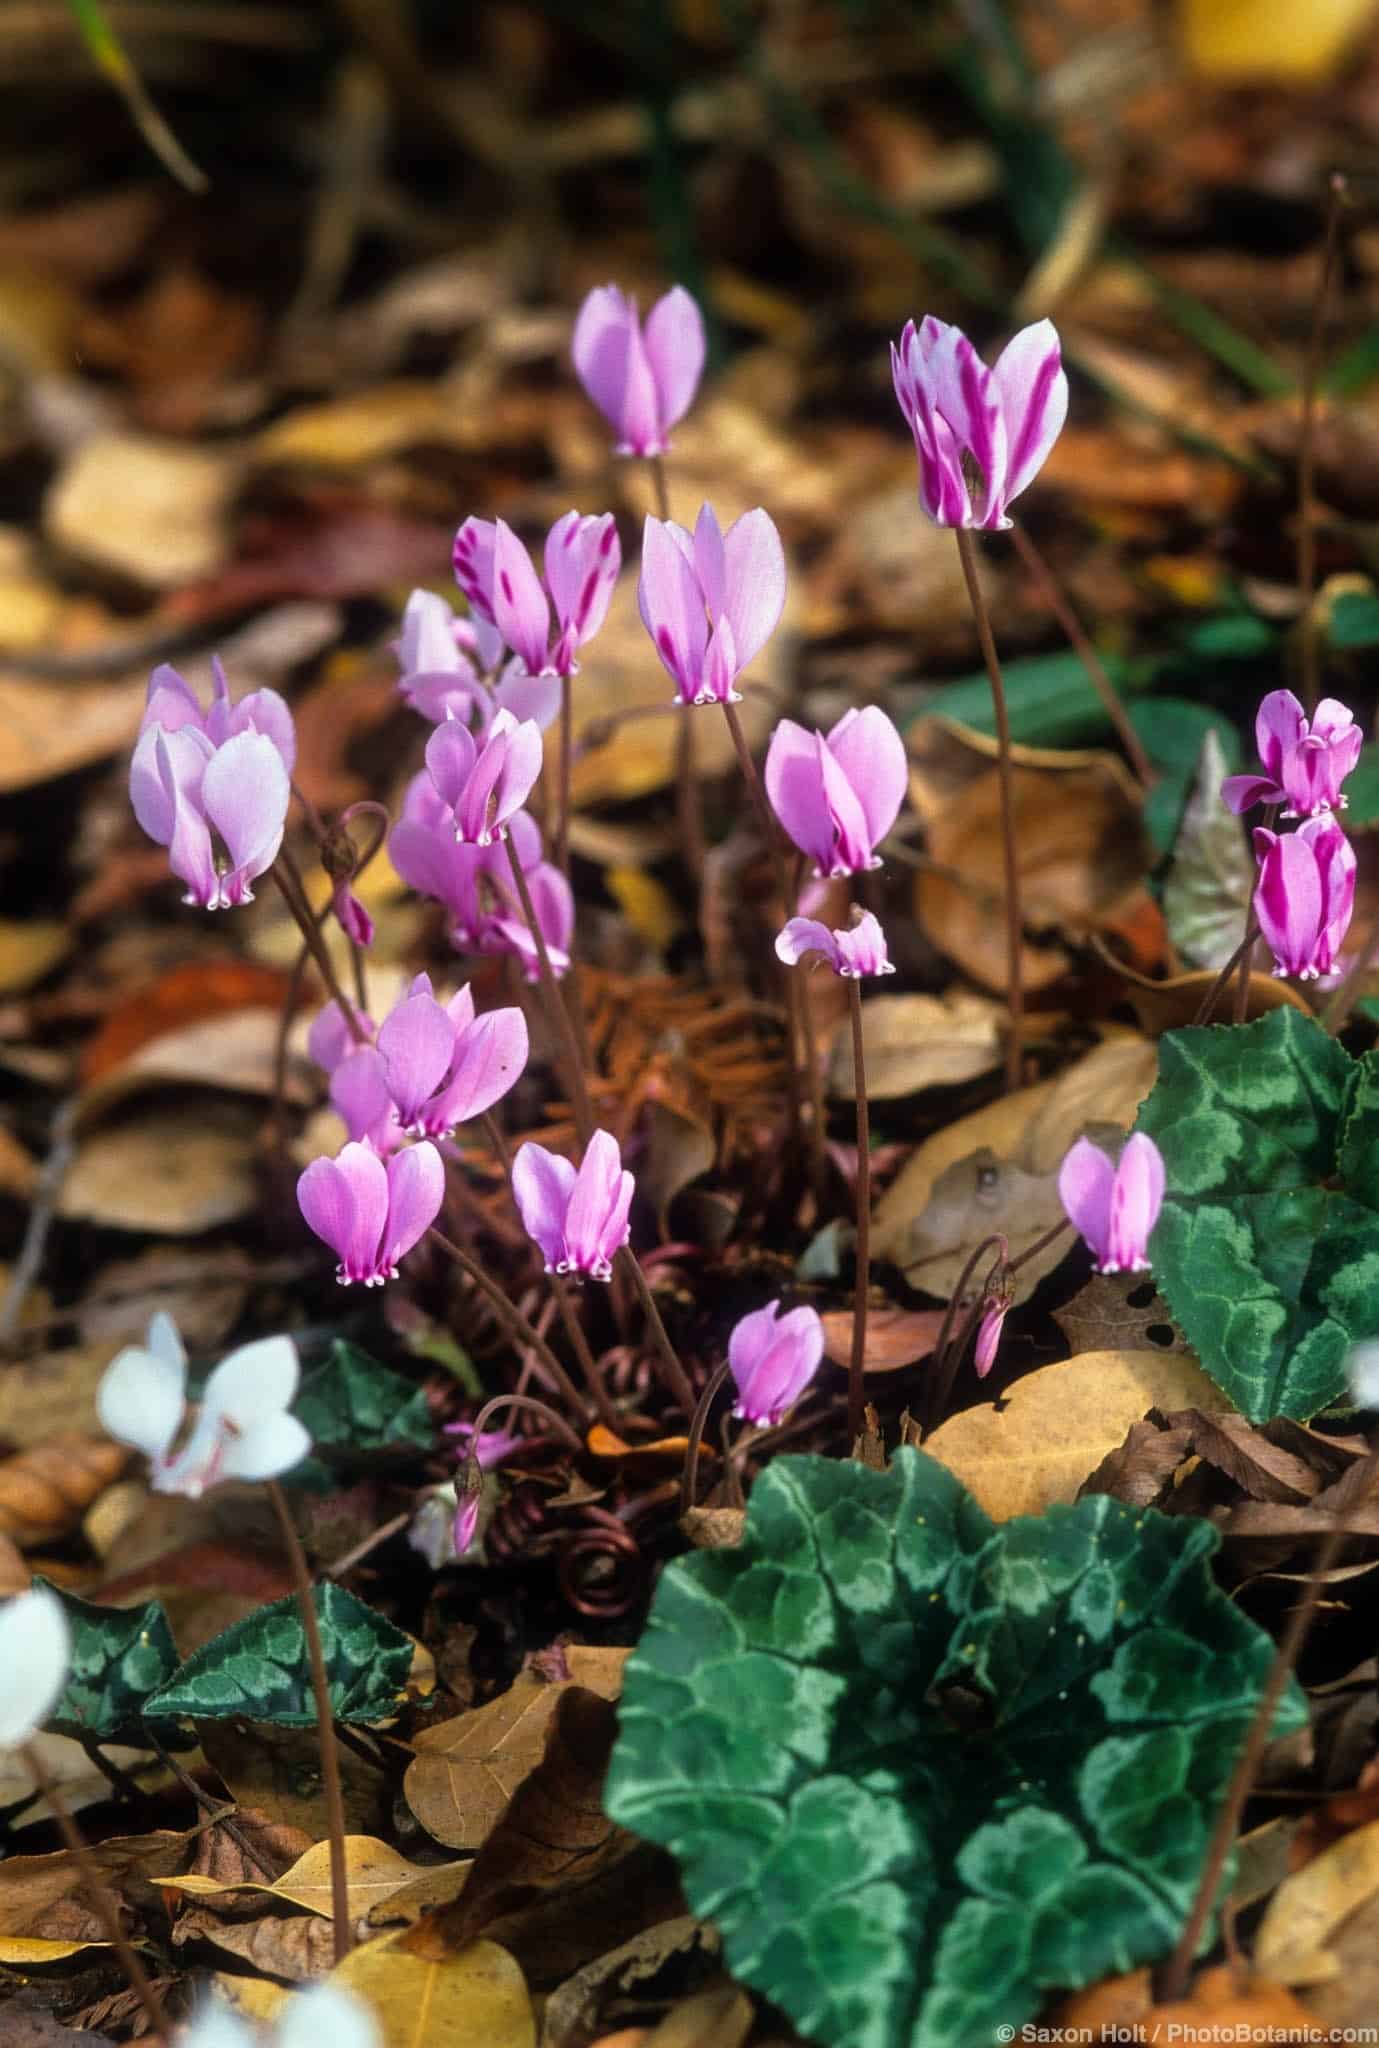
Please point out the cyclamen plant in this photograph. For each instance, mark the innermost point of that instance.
(242, 1428)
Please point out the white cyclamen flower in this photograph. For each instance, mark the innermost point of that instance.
(326, 2014)
(242, 1428)
(1362, 1371)
(35, 1653)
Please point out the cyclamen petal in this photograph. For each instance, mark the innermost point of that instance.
(675, 348)
(1304, 762)
(35, 1658)
(417, 1042)
(242, 1428)
(1306, 895)
(671, 602)
(542, 1183)
(583, 558)
(852, 953)
(245, 793)
(710, 601)
(773, 1358)
(143, 1393)
(521, 610)
(345, 1201)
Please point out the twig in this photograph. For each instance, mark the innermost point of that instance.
(1082, 646)
(61, 1152)
(217, 1812)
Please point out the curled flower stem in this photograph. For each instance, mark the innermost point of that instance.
(1310, 642)
(1178, 1969)
(947, 1355)
(1081, 643)
(857, 1361)
(289, 883)
(555, 1006)
(511, 1317)
(1015, 987)
(532, 1406)
(673, 1373)
(343, 1934)
(106, 1908)
(689, 1477)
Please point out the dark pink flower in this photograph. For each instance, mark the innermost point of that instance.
(838, 797)
(999, 422)
(582, 560)
(773, 1358)
(995, 1309)
(1304, 761)
(579, 1219)
(642, 380)
(1114, 1207)
(1306, 894)
(369, 1213)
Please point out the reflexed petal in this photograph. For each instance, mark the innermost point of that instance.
(521, 609)
(1240, 793)
(171, 702)
(450, 756)
(754, 568)
(1289, 900)
(490, 1055)
(596, 1193)
(215, 2026)
(264, 711)
(141, 1399)
(674, 342)
(968, 400)
(1280, 723)
(611, 363)
(427, 643)
(583, 557)
(871, 754)
(1033, 391)
(1085, 1181)
(542, 1184)
(720, 668)
(417, 1041)
(529, 697)
(359, 1091)
(266, 1449)
(862, 948)
(1137, 1194)
(710, 562)
(794, 785)
(416, 1189)
(330, 1037)
(806, 935)
(35, 1655)
(253, 1381)
(672, 608)
(773, 1357)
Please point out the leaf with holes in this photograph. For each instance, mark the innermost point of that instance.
(259, 1668)
(120, 1657)
(1267, 1247)
(351, 1402)
(920, 1770)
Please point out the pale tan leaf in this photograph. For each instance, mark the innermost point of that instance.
(374, 1872)
(910, 1042)
(477, 1996)
(1310, 1906)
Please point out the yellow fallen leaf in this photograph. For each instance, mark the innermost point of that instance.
(1270, 38)
(647, 905)
(1060, 1422)
(31, 1949)
(478, 1996)
(152, 509)
(374, 1872)
(1309, 1907)
(29, 950)
(179, 1170)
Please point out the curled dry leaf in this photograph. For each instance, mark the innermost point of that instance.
(1059, 1423)
(187, 995)
(1170, 1005)
(45, 1491)
(467, 1770)
(912, 1042)
(1118, 1312)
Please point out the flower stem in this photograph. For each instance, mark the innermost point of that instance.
(1080, 641)
(98, 1891)
(674, 1374)
(325, 1723)
(579, 1344)
(511, 1317)
(1310, 644)
(1178, 1969)
(948, 1355)
(857, 1361)
(533, 1407)
(1015, 990)
(1222, 981)
(555, 1007)
(689, 1477)
(567, 755)
(289, 883)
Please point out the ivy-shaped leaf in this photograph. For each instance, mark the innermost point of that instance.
(120, 1657)
(921, 1770)
(258, 1669)
(352, 1402)
(1267, 1248)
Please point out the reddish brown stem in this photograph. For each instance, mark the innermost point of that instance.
(556, 1011)
(1307, 453)
(511, 1317)
(673, 1373)
(1086, 653)
(857, 1362)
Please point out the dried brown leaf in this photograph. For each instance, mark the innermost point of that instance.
(1106, 1316)
(912, 1042)
(45, 1491)
(1139, 1470)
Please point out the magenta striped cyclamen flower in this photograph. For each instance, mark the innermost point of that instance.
(642, 379)
(582, 559)
(1305, 761)
(1001, 421)
(1306, 895)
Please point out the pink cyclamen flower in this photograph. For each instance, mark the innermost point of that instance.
(1306, 894)
(579, 1219)
(773, 1358)
(370, 1213)
(1114, 1207)
(475, 882)
(446, 661)
(1304, 761)
(442, 1064)
(582, 560)
(710, 600)
(174, 704)
(838, 797)
(482, 782)
(242, 1428)
(1001, 421)
(995, 1309)
(220, 810)
(35, 1657)
(642, 379)
(859, 951)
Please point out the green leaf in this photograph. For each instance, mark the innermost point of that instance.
(353, 1402)
(1354, 620)
(1208, 888)
(1049, 697)
(1267, 1247)
(921, 1770)
(258, 1669)
(120, 1656)
(1362, 792)
(1174, 732)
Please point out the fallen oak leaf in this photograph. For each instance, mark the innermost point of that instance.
(1264, 1470)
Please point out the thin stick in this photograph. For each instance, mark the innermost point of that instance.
(1178, 1969)
(98, 1891)
(567, 755)
(47, 1193)
(1015, 995)
(689, 1476)
(674, 1373)
(218, 1813)
(759, 804)
(555, 1006)
(514, 1322)
(1035, 561)
(385, 1532)
(1307, 452)
(284, 874)
(1222, 981)
(325, 1724)
(856, 1364)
